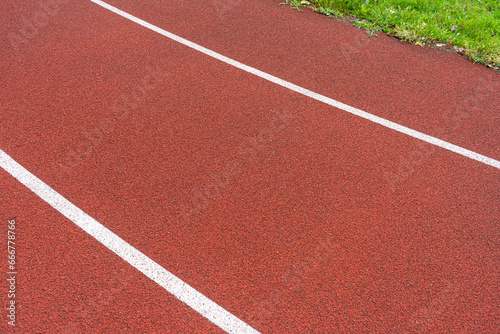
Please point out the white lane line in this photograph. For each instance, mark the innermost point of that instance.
(391, 125)
(120, 247)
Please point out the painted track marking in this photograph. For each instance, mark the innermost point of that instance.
(182, 291)
(358, 112)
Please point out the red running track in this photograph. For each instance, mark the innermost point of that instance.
(294, 216)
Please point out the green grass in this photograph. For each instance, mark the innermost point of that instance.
(471, 26)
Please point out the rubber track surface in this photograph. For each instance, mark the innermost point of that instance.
(292, 215)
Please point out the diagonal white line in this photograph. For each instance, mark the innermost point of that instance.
(120, 247)
(382, 121)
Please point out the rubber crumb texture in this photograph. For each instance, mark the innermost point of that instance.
(324, 222)
(69, 283)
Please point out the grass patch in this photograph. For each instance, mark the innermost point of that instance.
(472, 27)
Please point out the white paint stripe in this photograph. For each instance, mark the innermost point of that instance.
(391, 125)
(120, 247)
